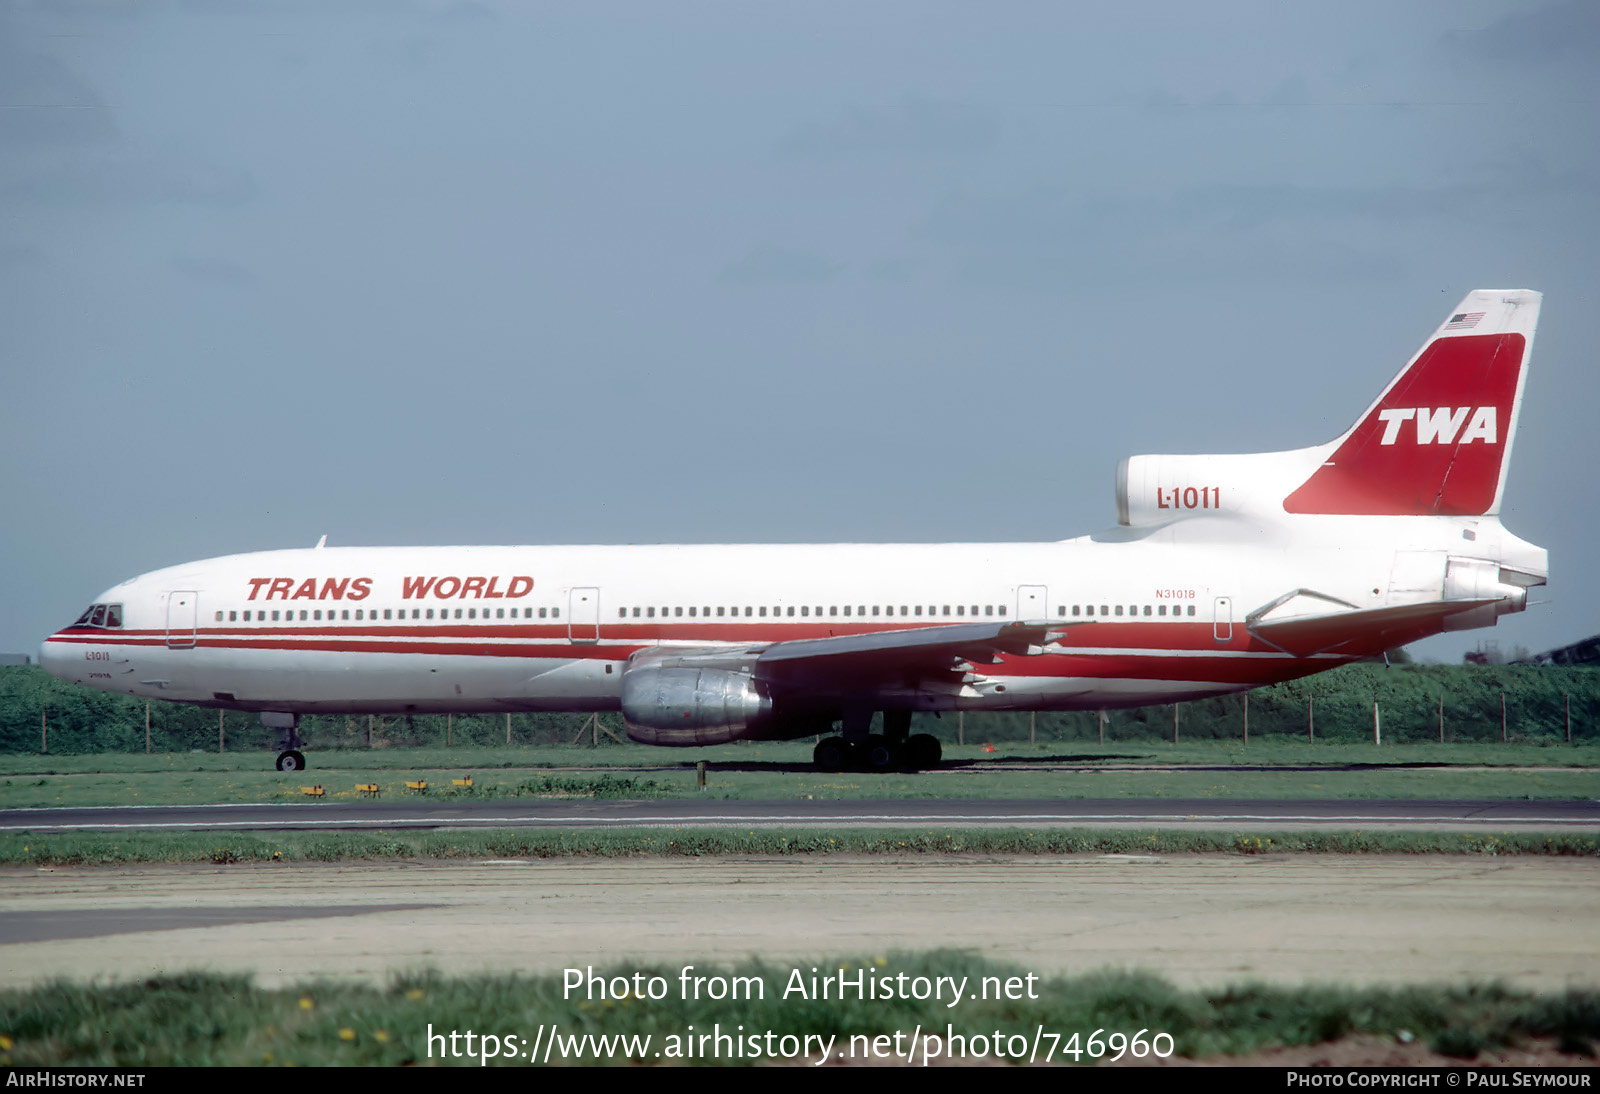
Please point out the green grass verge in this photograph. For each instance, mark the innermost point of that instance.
(1275, 751)
(94, 849)
(781, 771)
(201, 1019)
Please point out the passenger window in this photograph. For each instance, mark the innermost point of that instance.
(275, 615)
(1076, 609)
(791, 609)
(1002, 609)
(430, 613)
(1191, 609)
(1119, 609)
(385, 614)
(219, 617)
(835, 611)
(1161, 609)
(804, 610)
(763, 613)
(677, 611)
(303, 615)
(1147, 609)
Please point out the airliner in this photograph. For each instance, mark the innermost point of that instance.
(1223, 573)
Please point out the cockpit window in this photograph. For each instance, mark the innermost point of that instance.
(101, 615)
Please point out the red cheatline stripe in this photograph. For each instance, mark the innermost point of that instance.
(1220, 669)
(1154, 635)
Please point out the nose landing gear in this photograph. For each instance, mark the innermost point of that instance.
(290, 758)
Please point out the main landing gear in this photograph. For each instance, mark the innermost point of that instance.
(895, 749)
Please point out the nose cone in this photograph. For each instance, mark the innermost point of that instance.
(54, 658)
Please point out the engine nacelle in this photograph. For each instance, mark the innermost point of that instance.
(1153, 490)
(1480, 579)
(691, 706)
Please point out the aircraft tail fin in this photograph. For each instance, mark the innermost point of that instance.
(1437, 442)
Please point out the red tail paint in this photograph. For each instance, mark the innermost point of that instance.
(1434, 444)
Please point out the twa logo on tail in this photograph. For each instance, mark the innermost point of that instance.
(1435, 443)
(1439, 425)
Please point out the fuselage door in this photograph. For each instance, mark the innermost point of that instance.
(1031, 600)
(583, 615)
(182, 613)
(1222, 620)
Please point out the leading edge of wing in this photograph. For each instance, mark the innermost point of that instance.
(884, 649)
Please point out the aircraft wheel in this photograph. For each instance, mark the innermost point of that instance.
(291, 761)
(924, 751)
(882, 755)
(832, 754)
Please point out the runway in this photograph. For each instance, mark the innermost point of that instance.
(1199, 920)
(1234, 814)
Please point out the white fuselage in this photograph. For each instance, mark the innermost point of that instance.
(1158, 614)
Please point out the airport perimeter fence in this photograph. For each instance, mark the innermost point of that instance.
(1515, 704)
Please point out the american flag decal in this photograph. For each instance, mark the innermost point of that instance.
(1464, 321)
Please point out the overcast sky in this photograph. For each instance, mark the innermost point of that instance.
(492, 272)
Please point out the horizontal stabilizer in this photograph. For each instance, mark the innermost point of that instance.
(1366, 631)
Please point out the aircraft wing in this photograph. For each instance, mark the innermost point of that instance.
(929, 649)
(847, 661)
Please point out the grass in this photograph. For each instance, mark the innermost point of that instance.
(223, 848)
(202, 1019)
(1274, 751)
(1268, 768)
